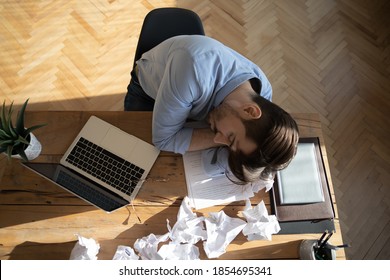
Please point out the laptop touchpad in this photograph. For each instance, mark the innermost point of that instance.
(119, 142)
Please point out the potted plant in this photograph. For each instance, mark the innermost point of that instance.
(17, 140)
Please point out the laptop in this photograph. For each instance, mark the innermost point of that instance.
(104, 165)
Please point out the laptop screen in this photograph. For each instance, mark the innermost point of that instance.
(79, 185)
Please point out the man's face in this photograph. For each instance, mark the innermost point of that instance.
(229, 129)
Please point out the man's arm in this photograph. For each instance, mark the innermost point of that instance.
(202, 138)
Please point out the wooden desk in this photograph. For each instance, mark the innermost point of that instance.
(39, 220)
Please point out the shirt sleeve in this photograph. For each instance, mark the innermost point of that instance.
(178, 89)
(266, 89)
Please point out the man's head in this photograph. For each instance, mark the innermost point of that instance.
(262, 137)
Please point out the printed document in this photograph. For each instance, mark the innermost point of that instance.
(207, 187)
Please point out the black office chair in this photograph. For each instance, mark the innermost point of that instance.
(163, 23)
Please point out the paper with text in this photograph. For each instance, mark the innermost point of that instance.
(205, 190)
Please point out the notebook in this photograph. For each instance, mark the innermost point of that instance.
(104, 165)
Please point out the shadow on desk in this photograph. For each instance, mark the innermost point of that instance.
(124, 228)
(15, 215)
(41, 251)
(29, 197)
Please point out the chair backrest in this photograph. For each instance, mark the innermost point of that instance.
(163, 23)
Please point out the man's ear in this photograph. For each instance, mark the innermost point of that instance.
(251, 111)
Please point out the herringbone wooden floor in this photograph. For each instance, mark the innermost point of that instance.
(326, 56)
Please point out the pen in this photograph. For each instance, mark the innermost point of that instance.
(332, 247)
(322, 237)
(325, 241)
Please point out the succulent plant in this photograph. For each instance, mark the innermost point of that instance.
(14, 139)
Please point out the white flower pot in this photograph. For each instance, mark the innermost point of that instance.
(33, 149)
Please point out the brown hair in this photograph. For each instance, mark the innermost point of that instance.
(276, 134)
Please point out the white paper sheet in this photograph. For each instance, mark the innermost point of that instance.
(205, 190)
(177, 251)
(260, 225)
(147, 246)
(262, 184)
(221, 230)
(125, 253)
(188, 228)
(85, 249)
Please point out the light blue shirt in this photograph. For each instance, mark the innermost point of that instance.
(188, 76)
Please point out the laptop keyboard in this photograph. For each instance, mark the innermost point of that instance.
(105, 166)
(88, 193)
